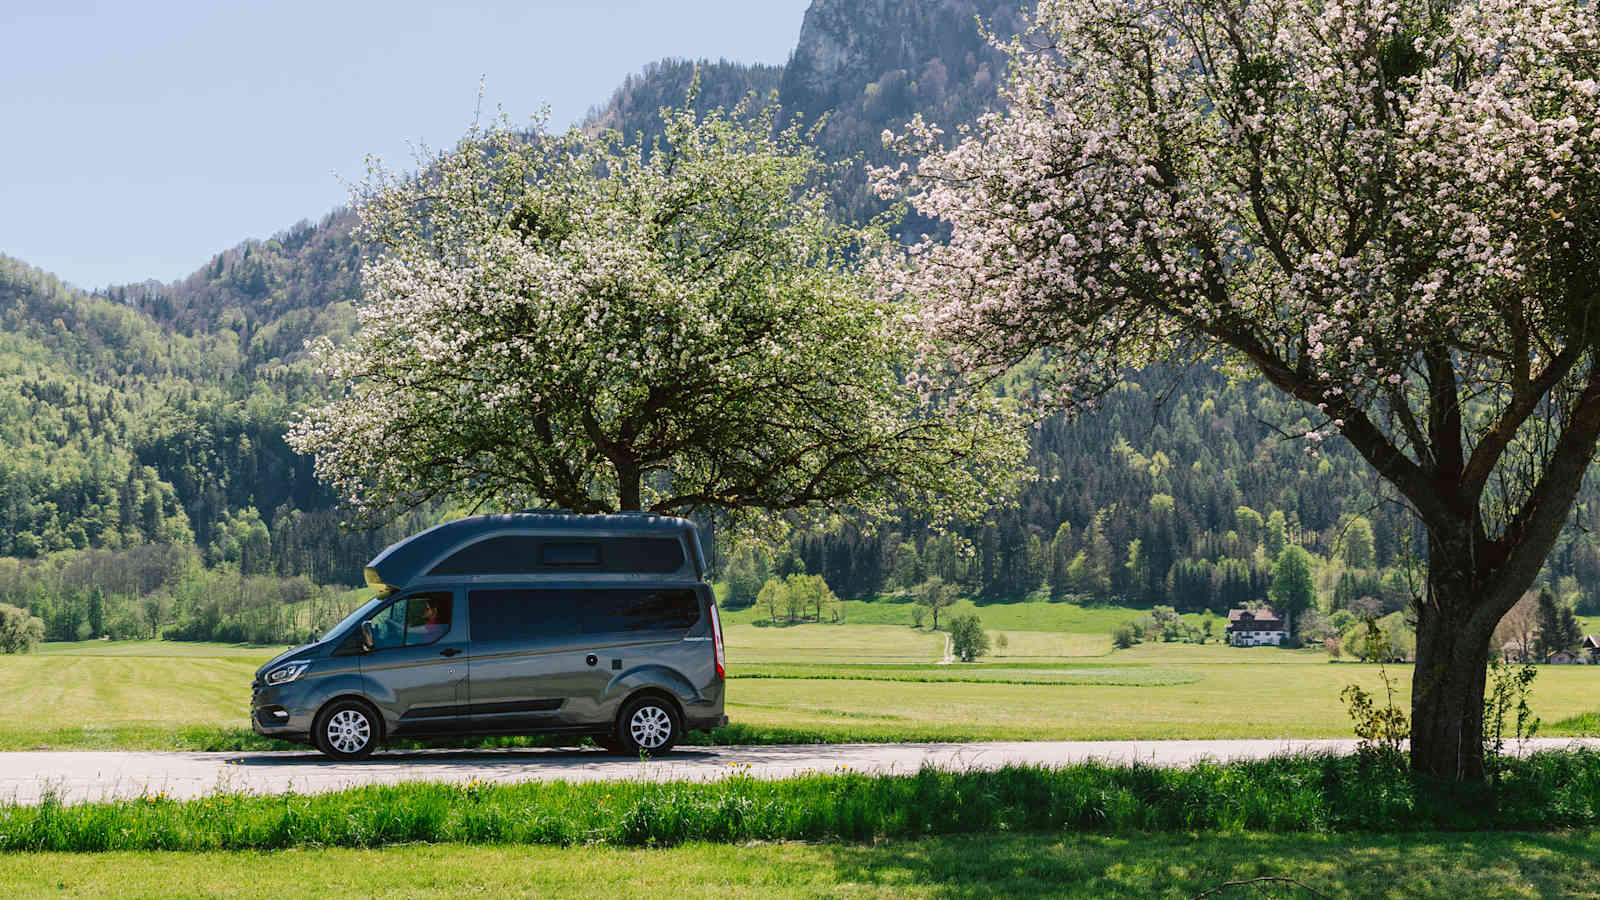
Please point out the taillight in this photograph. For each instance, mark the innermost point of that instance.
(716, 640)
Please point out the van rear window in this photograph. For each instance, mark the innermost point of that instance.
(522, 614)
(514, 554)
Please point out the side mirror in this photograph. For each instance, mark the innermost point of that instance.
(356, 642)
(367, 637)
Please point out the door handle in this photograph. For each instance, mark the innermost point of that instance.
(449, 651)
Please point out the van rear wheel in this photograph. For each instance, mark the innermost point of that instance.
(346, 730)
(648, 725)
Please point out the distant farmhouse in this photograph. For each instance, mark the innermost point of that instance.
(1588, 652)
(1255, 627)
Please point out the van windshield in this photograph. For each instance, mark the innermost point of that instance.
(362, 611)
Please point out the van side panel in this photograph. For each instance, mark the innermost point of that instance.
(523, 650)
(684, 666)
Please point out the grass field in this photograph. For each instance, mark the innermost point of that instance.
(134, 694)
(820, 681)
(997, 616)
(833, 644)
(1490, 865)
(162, 649)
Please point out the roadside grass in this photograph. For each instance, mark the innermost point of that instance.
(1582, 724)
(1422, 865)
(1315, 794)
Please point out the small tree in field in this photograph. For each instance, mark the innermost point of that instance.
(1390, 211)
(933, 595)
(1292, 591)
(812, 595)
(774, 595)
(609, 326)
(968, 640)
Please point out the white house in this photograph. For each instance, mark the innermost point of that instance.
(1254, 627)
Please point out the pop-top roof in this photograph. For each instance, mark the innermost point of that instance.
(415, 557)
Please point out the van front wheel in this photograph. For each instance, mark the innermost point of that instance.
(648, 725)
(346, 731)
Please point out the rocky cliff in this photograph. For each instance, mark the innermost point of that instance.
(894, 55)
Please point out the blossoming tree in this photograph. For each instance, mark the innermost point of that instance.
(1389, 209)
(601, 325)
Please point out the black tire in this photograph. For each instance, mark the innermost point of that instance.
(648, 724)
(347, 730)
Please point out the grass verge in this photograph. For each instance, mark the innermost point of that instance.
(1288, 794)
(1408, 866)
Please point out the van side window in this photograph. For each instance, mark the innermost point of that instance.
(412, 621)
(427, 617)
(570, 553)
(521, 614)
(640, 610)
(389, 627)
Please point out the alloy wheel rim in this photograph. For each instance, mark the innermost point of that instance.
(349, 731)
(650, 727)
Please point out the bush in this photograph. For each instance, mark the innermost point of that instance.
(967, 637)
(1122, 637)
(19, 631)
(125, 624)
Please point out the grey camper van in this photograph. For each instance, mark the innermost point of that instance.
(513, 624)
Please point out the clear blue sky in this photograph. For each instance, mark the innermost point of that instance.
(138, 139)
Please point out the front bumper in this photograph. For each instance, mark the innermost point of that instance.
(281, 711)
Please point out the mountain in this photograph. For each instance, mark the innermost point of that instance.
(155, 413)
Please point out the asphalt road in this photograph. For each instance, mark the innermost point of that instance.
(77, 776)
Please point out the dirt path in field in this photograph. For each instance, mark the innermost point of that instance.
(91, 775)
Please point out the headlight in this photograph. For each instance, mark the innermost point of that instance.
(288, 673)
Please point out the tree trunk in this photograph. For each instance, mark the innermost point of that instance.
(1447, 697)
(628, 486)
(1465, 600)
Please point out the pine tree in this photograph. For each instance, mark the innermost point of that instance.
(1558, 627)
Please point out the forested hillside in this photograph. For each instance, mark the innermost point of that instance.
(154, 415)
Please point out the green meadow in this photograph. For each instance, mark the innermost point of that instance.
(1057, 678)
(1433, 864)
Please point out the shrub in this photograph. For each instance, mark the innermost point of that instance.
(19, 631)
